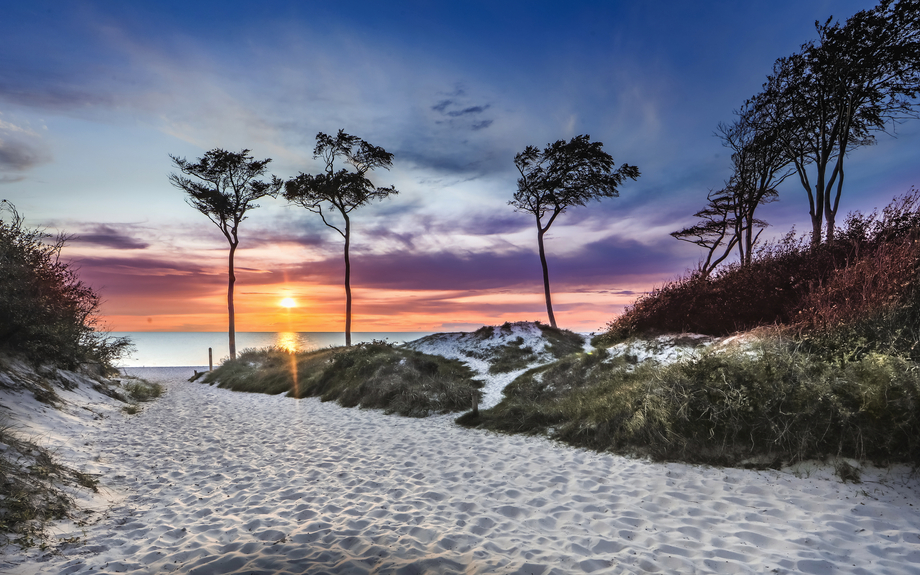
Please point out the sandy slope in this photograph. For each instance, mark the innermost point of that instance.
(210, 481)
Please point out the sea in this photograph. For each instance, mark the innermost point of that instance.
(190, 349)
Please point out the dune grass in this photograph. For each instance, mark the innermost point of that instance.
(516, 355)
(761, 405)
(372, 375)
(137, 391)
(33, 490)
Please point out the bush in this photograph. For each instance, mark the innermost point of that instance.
(756, 405)
(46, 312)
(374, 375)
(836, 294)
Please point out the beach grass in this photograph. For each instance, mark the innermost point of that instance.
(370, 375)
(762, 404)
(33, 489)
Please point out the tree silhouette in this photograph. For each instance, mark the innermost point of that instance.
(224, 189)
(829, 98)
(759, 165)
(562, 175)
(343, 190)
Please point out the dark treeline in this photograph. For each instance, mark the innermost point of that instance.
(817, 106)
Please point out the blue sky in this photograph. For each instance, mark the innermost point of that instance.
(95, 95)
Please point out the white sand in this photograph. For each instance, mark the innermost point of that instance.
(209, 481)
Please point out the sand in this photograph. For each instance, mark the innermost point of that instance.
(209, 481)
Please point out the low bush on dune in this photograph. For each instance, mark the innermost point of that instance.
(835, 372)
(758, 405)
(846, 298)
(373, 375)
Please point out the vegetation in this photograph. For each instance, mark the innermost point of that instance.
(224, 188)
(844, 298)
(140, 391)
(32, 490)
(370, 375)
(343, 190)
(515, 355)
(46, 313)
(763, 404)
(562, 175)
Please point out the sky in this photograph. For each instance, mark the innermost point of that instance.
(96, 95)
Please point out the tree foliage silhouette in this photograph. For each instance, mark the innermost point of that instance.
(831, 96)
(341, 190)
(46, 312)
(562, 175)
(224, 186)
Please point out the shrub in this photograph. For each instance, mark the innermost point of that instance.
(834, 294)
(768, 403)
(46, 312)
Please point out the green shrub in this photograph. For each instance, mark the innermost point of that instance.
(46, 312)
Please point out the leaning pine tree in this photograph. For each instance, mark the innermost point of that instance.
(341, 190)
(224, 189)
(562, 175)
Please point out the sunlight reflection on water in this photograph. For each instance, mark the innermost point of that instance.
(165, 349)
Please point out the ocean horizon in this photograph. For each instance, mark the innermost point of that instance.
(190, 348)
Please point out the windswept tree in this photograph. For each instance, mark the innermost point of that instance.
(341, 190)
(562, 175)
(716, 230)
(224, 186)
(832, 96)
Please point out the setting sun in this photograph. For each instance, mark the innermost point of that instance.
(288, 302)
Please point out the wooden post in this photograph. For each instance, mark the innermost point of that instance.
(210, 360)
(475, 404)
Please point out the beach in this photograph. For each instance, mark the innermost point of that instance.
(209, 481)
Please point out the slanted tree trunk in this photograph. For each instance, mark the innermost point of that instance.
(549, 301)
(347, 283)
(231, 330)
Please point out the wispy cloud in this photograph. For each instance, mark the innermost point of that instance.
(110, 237)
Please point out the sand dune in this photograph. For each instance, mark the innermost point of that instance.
(208, 481)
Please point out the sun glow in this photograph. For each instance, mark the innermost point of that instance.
(288, 302)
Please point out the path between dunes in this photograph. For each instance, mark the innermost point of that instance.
(209, 481)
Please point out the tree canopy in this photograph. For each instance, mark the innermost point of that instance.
(562, 175)
(341, 189)
(224, 188)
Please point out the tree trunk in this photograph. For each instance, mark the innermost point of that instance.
(549, 301)
(347, 284)
(231, 330)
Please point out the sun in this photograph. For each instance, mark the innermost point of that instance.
(288, 302)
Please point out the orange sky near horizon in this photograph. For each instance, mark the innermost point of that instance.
(373, 311)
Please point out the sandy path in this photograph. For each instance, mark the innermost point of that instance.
(221, 482)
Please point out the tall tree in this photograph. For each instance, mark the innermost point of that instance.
(224, 188)
(759, 165)
(830, 97)
(562, 175)
(341, 190)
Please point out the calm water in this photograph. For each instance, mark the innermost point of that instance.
(164, 349)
